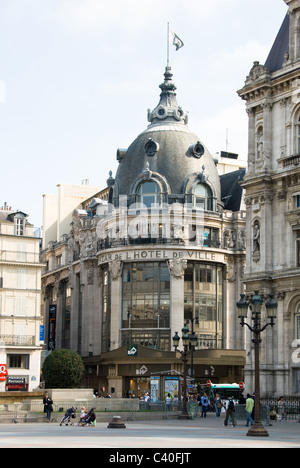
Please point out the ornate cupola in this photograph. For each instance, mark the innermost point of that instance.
(168, 155)
(168, 109)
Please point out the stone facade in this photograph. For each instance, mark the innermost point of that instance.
(20, 301)
(272, 185)
(158, 248)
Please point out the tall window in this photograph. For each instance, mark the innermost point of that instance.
(297, 134)
(203, 302)
(298, 248)
(66, 314)
(106, 314)
(19, 226)
(146, 304)
(148, 193)
(297, 324)
(203, 197)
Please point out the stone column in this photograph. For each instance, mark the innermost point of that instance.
(251, 140)
(267, 136)
(115, 268)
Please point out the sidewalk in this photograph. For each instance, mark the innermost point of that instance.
(164, 434)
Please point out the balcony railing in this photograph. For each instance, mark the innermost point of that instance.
(19, 257)
(15, 340)
(289, 162)
(111, 244)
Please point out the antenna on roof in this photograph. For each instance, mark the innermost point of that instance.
(227, 140)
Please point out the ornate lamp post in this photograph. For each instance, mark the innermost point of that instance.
(256, 301)
(189, 343)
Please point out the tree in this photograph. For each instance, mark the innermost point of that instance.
(63, 369)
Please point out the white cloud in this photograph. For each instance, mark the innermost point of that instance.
(98, 16)
(2, 92)
(243, 55)
(231, 122)
(199, 9)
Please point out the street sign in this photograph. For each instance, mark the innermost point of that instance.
(3, 372)
(241, 385)
(208, 383)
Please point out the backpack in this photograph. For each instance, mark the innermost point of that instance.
(231, 405)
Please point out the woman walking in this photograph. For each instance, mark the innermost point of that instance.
(48, 408)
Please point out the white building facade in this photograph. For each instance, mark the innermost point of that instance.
(272, 185)
(162, 246)
(20, 302)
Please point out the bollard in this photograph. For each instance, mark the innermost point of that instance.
(116, 423)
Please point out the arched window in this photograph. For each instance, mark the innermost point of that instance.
(298, 134)
(297, 323)
(148, 193)
(203, 197)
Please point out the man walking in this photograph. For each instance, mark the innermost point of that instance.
(230, 412)
(249, 409)
(204, 404)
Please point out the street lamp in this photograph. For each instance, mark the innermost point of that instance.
(256, 302)
(189, 343)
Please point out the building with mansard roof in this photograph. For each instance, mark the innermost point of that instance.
(161, 246)
(272, 187)
(20, 302)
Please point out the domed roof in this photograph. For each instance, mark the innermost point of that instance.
(167, 149)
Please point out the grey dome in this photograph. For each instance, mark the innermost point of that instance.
(167, 149)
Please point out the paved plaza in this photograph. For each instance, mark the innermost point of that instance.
(160, 434)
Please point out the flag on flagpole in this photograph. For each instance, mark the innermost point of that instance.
(175, 40)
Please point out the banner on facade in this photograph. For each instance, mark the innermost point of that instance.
(52, 327)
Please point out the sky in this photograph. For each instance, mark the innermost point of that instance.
(77, 78)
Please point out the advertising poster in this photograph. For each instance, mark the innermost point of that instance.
(154, 389)
(172, 387)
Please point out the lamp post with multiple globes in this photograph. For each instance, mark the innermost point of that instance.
(255, 305)
(189, 342)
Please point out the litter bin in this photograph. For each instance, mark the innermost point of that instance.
(192, 409)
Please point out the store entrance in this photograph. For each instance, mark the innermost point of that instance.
(137, 387)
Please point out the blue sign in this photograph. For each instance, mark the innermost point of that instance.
(42, 333)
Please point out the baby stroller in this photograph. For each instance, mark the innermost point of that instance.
(89, 419)
(70, 414)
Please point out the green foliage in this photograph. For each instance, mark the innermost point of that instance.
(63, 369)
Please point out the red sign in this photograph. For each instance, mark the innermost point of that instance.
(208, 383)
(241, 385)
(3, 372)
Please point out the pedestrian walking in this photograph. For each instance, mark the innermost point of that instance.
(249, 409)
(218, 405)
(281, 409)
(48, 406)
(204, 405)
(168, 402)
(230, 412)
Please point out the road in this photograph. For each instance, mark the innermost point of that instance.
(163, 434)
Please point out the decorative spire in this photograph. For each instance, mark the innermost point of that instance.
(168, 109)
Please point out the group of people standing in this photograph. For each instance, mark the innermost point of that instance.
(229, 408)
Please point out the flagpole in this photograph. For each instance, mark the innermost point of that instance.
(168, 46)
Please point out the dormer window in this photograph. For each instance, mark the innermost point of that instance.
(203, 197)
(148, 194)
(20, 224)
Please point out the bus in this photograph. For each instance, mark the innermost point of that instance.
(224, 390)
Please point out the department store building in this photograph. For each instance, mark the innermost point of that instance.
(162, 245)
